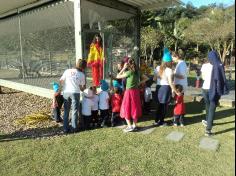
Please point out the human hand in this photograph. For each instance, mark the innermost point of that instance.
(125, 66)
(178, 93)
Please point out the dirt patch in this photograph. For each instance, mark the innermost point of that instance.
(16, 105)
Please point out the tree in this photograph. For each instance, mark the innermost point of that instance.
(150, 39)
(215, 28)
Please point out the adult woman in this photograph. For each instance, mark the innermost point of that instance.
(73, 82)
(166, 88)
(214, 86)
(131, 104)
(95, 59)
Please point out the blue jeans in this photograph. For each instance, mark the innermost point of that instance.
(210, 109)
(71, 100)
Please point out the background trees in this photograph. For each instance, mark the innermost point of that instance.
(193, 30)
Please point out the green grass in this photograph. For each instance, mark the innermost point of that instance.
(110, 152)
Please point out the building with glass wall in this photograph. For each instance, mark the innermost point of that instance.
(39, 39)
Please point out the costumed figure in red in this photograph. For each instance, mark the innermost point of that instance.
(95, 60)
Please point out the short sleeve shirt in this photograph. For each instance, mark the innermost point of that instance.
(132, 80)
(181, 69)
(103, 100)
(72, 78)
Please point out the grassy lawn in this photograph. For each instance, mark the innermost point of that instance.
(110, 152)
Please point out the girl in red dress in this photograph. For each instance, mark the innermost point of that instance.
(179, 110)
(116, 101)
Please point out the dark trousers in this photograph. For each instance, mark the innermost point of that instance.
(57, 114)
(156, 93)
(178, 119)
(95, 118)
(115, 116)
(87, 122)
(104, 116)
(161, 112)
(147, 107)
(210, 109)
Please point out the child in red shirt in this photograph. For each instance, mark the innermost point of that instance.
(179, 110)
(116, 101)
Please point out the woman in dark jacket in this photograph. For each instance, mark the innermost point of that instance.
(218, 87)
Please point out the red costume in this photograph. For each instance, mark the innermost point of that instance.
(179, 106)
(116, 101)
(95, 61)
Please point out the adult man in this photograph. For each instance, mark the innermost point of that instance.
(73, 81)
(181, 71)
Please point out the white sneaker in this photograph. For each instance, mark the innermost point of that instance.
(204, 123)
(128, 129)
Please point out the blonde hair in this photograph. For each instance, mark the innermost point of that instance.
(163, 66)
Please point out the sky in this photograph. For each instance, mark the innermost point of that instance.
(198, 3)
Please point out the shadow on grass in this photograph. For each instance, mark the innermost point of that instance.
(218, 115)
(140, 129)
(32, 134)
(225, 131)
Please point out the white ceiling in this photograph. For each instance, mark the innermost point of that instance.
(62, 14)
(151, 4)
(11, 5)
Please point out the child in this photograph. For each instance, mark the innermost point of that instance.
(57, 103)
(104, 102)
(147, 97)
(95, 118)
(87, 105)
(116, 101)
(179, 110)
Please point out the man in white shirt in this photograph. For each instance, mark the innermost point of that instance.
(73, 82)
(206, 72)
(181, 71)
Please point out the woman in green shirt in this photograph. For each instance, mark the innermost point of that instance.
(131, 104)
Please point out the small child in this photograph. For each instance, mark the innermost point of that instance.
(104, 103)
(57, 103)
(87, 105)
(147, 97)
(95, 118)
(179, 109)
(116, 101)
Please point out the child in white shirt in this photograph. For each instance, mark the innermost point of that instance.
(104, 103)
(87, 105)
(95, 117)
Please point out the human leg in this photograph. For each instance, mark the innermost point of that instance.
(211, 115)
(67, 105)
(181, 120)
(205, 94)
(176, 120)
(75, 97)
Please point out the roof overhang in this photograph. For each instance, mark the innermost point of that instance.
(151, 4)
(8, 8)
(11, 7)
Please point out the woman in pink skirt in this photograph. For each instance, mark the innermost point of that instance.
(131, 104)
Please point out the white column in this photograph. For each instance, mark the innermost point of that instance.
(78, 29)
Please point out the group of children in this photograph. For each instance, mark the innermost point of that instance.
(99, 106)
